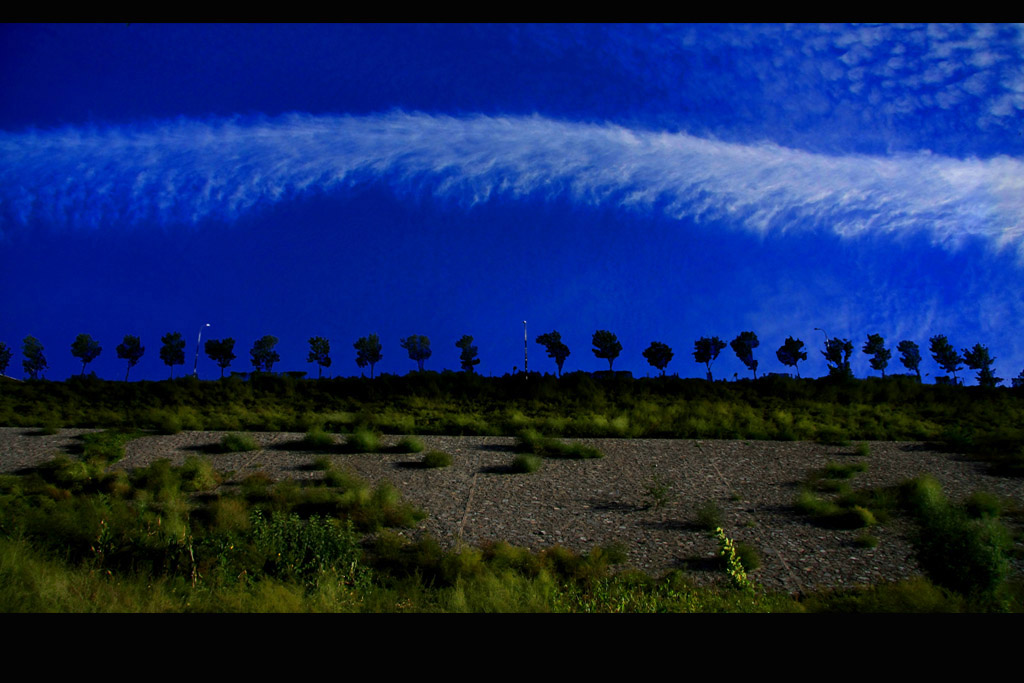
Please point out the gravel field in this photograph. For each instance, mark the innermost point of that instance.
(581, 504)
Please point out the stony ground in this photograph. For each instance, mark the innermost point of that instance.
(586, 503)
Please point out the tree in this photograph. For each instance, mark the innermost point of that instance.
(35, 361)
(978, 359)
(875, 347)
(607, 346)
(791, 353)
(837, 355)
(85, 349)
(659, 355)
(263, 354)
(552, 343)
(221, 352)
(418, 347)
(368, 352)
(5, 358)
(910, 356)
(468, 355)
(706, 350)
(319, 353)
(173, 350)
(131, 350)
(945, 355)
(743, 346)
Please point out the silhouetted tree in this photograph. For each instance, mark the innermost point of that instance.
(552, 343)
(263, 354)
(35, 361)
(744, 345)
(468, 356)
(221, 352)
(319, 353)
(369, 352)
(131, 350)
(791, 353)
(85, 349)
(659, 355)
(606, 346)
(837, 355)
(1018, 381)
(173, 350)
(875, 347)
(5, 358)
(978, 359)
(945, 355)
(910, 356)
(418, 347)
(706, 350)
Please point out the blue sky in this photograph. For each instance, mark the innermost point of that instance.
(661, 182)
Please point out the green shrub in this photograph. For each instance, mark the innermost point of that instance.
(318, 439)
(863, 450)
(524, 463)
(322, 463)
(237, 443)
(981, 504)
(362, 441)
(198, 474)
(748, 556)
(530, 441)
(436, 459)
(866, 540)
(963, 554)
(835, 470)
(409, 444)
(709, 515)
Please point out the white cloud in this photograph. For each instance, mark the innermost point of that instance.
(187, 170)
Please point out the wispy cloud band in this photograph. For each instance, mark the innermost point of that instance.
(187, 171)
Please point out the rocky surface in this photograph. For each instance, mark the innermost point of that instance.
(581, 504)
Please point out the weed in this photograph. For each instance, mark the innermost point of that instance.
(525, 463)
(733, 565)
(322, 463)
(237, 443)
(863, 450)
(409, 444)
(964, 554)
(835, 470)
(436, 459)
(363, 441)
(748, 555)
(866, 540)
(709, 515)
(659, 491)
(318, 439)
(981, 504)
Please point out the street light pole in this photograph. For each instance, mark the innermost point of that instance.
(526, 360)
(195, 368)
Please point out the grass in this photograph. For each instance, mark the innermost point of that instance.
(524, 463)
(658, 491)
(237, 443)
(436, 459)
(408, 444)
(362, 441)
(531, 441)
(709, 516)
(317, 439)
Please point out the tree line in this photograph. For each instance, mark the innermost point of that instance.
(606, 346)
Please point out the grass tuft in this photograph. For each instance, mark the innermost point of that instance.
(437, 459)
(238, 443)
